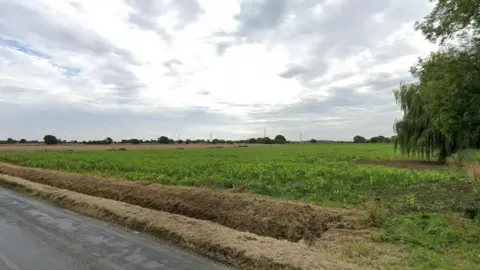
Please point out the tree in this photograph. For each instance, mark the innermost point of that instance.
(50, 139)
(449, 18)
(441, 110)
(179, 141)
(188, 141)
(359, 139)
(163, 140)
(109, 140)
(23, 141)
(313, 141)
(11, 141)
(280, 139)
(252, 140)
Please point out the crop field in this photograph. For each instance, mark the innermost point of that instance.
(323, 173)
(429, 210)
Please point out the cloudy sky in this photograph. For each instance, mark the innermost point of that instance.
(88, 69)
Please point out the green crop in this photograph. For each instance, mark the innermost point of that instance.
(322, 173)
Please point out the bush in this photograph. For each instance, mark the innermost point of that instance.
(464, 157)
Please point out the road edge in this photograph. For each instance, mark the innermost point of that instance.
(237, 249)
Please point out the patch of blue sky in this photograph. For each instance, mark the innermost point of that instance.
(23, 48)
(13, 44)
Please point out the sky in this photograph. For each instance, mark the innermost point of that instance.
(89, 69)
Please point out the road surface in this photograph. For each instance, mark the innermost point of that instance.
(37, 236)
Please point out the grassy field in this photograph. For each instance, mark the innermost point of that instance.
(428, 209)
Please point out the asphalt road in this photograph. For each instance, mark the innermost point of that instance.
(37, 236)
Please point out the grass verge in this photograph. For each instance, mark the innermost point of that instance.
(239, 249)
(261, 215)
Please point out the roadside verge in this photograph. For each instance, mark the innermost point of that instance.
(242, 250)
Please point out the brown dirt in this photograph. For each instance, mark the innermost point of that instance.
(83, 147)
(244, 212)
(241, 250)
(408, 164)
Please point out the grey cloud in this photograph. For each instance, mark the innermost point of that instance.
(84, 123)
(222, 47)
(123, 81)
(172, 66)
(147, 11)
(340, 32)
(292, 71)
(31, 24)
(203, 92)
(371, 112)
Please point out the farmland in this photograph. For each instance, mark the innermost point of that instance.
(423, 207)
(323, 174)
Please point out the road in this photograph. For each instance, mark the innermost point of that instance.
(37, 236)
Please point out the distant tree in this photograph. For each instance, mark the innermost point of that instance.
(163, 140)
(109, 140)
(135, 141)
(188, 141)
(313, 141)
(215, 141)
(280, 139)
(50, 139)
(23, 141)
(11, 141)
(374, 140)
(252, 140)
(179, 141)
(359, 139)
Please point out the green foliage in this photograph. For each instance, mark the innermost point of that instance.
(450, 17)
(50, 139)
(280, 139)
(434, 241)
(320, 173)
(359, 139)
(442, 109)
(163, 140)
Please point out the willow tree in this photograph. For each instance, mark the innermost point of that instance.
(442, 108)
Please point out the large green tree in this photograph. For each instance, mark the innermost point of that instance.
(442, 107)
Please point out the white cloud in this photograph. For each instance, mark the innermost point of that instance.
(325, 68)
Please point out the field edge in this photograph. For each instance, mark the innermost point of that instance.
(241, 250)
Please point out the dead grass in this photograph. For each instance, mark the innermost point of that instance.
(473, 171)
(261, 215)
(239, 249)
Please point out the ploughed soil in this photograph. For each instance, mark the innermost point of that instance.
(408, 164)
(337, 249)
(257, 214)
(85, 147)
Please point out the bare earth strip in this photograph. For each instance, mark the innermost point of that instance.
(92, 147)
(239, 249)
(257, 214)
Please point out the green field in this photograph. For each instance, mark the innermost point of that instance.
(322, 173)
(433, 213)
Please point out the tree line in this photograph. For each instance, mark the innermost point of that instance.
(376, 139)
(52, 140)
(441, 108)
